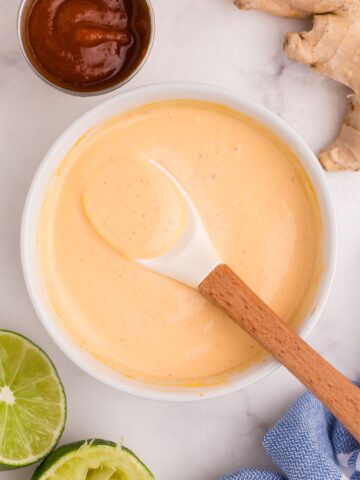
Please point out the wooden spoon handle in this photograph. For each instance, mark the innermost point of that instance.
(223, 288)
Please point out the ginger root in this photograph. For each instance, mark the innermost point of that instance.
(333, 48)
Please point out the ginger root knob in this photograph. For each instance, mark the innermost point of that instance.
(333, 48)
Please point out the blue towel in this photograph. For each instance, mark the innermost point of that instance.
(308, 443)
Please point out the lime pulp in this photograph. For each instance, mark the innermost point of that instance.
(92, 460)
(32, 402)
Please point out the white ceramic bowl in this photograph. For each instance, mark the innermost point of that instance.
(40, 184)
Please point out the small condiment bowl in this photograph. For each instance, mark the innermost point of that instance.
(24, 10)
(29, 235)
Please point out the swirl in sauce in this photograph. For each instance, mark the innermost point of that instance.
(254, 198)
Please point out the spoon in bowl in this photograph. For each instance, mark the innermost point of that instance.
(193, 260)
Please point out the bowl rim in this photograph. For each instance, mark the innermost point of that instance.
(137, 97)
(78, 93)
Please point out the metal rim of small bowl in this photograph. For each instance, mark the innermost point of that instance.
(20, 17)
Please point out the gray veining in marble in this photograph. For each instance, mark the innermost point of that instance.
(203, 41)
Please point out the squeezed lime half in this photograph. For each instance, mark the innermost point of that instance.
(32, 402)
(92, 460)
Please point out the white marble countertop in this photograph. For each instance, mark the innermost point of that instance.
(203, 41)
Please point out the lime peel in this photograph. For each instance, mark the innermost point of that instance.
(32, 402)
(92, 460)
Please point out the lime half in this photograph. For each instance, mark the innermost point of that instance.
(32, 402)
(92, 460)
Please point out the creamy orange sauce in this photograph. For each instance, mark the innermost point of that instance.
(135, 207)
(255, 201)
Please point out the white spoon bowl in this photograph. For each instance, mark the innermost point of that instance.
(30, 258)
